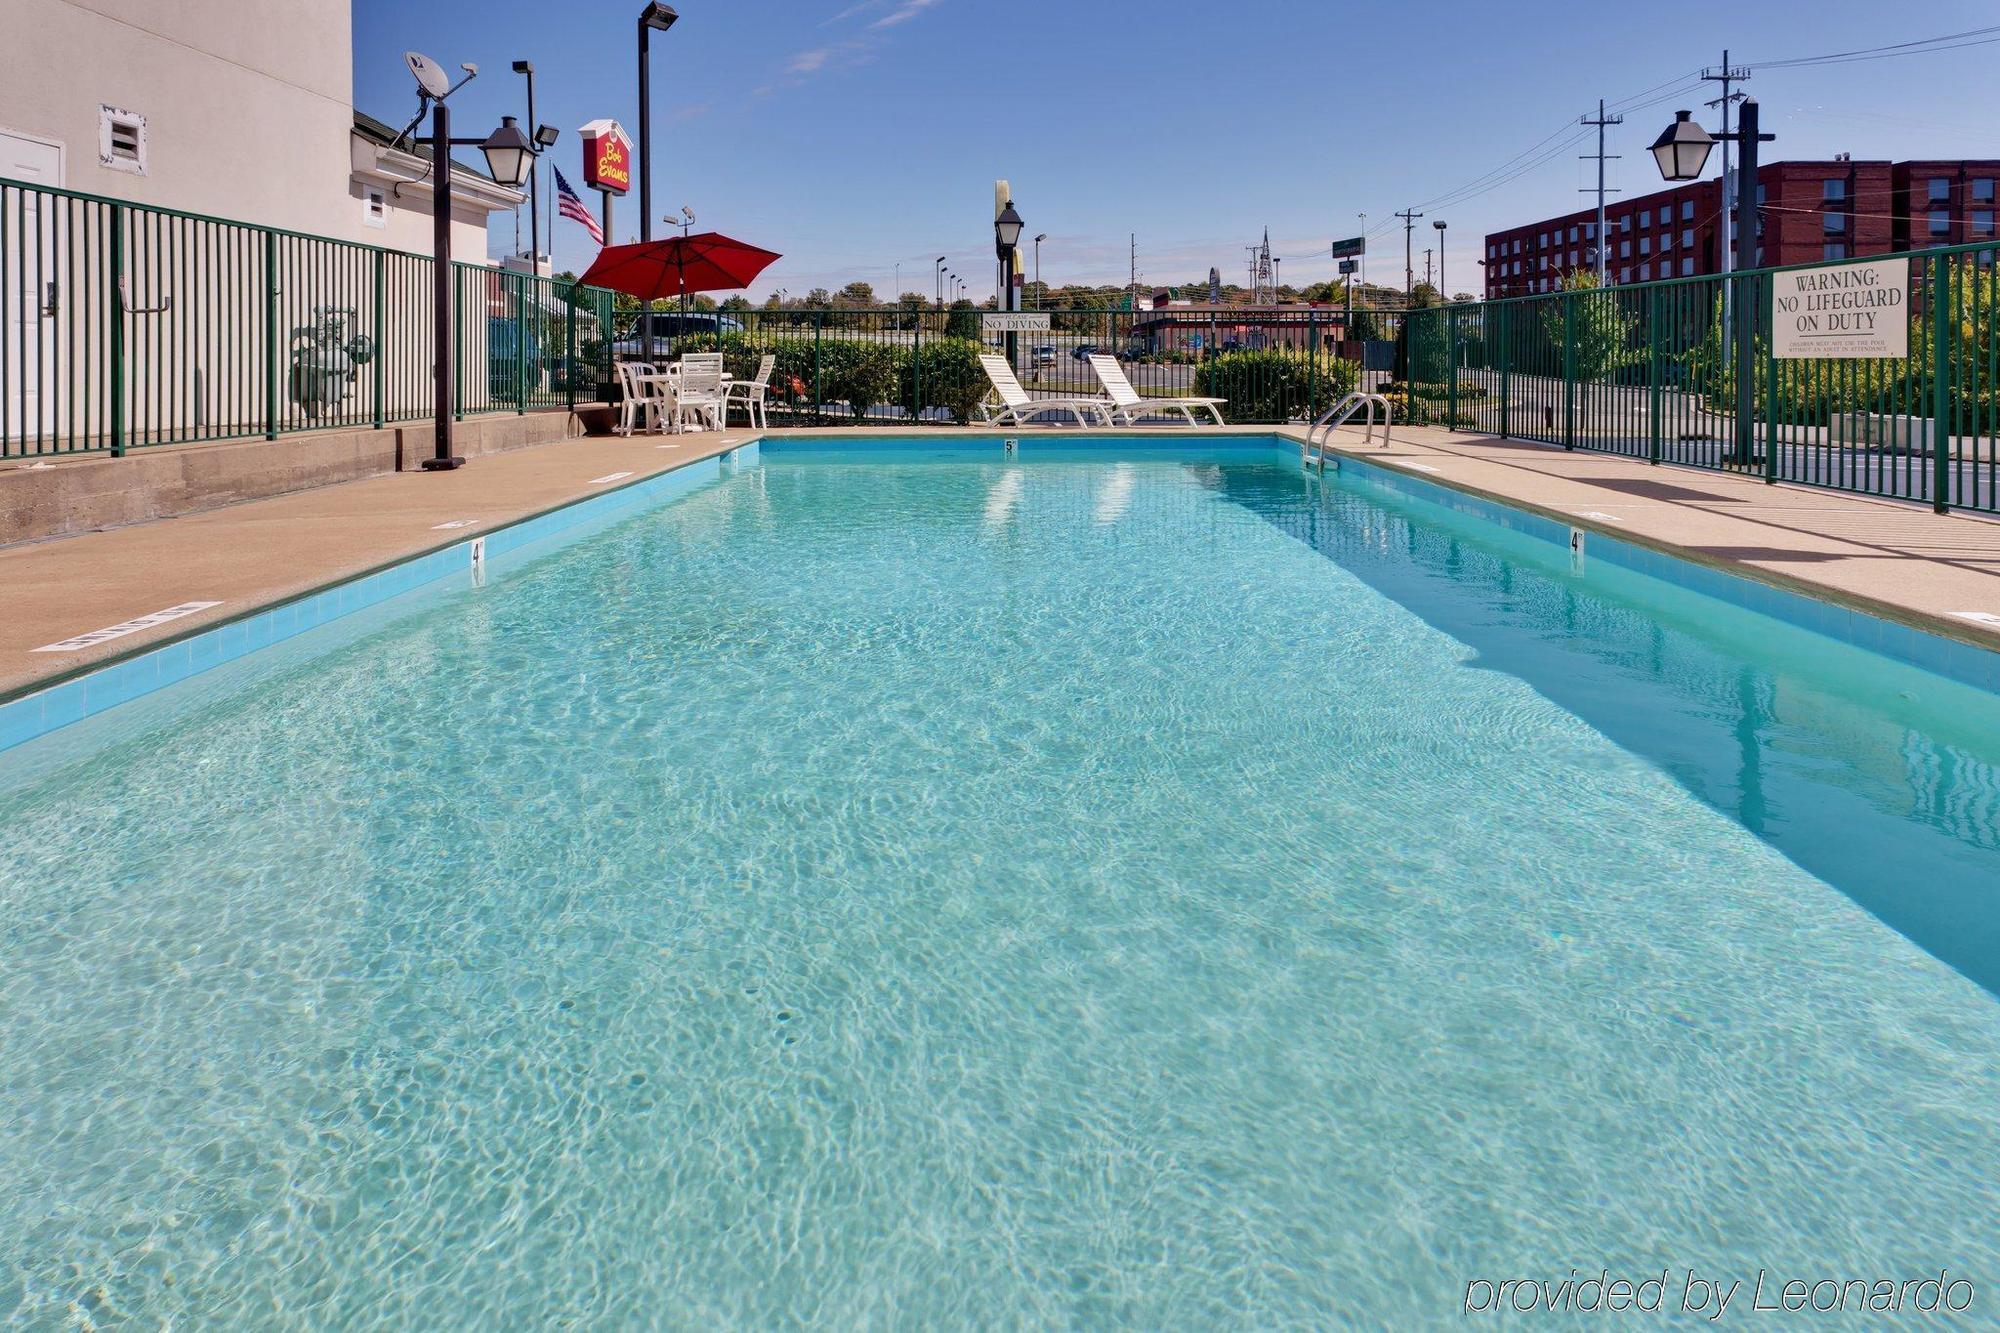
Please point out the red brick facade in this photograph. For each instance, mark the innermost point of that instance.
(1809, 212)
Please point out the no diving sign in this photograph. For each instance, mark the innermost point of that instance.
(1842, 310)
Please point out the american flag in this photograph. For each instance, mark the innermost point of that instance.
(571, 207)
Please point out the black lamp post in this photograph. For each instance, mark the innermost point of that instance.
(1007, 230)
(1441, 287)
(655, 17)
(510, 156)
(1681, 151)
(1039, 293)
(937, 281)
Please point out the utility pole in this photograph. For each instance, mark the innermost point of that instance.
(1409, 217)
(1427, 266)
(1725, 76)
(1132, 291)
(1603, 241)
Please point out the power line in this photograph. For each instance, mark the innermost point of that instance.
(1918, 47)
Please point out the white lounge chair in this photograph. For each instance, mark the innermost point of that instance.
(697, 390)
(749, 394)
(1016, 407)
(1128, 406)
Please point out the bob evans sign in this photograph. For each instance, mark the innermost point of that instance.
(1842, 310)
(607, 157)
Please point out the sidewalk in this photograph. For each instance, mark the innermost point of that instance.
(244, 556)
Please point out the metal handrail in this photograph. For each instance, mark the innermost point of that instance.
(1339, 414)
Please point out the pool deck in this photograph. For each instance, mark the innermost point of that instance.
(1893, 560)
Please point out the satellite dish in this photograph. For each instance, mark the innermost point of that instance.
(430, 75)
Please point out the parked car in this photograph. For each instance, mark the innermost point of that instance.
(667, 326)
(1045, 355)
(1085, 351)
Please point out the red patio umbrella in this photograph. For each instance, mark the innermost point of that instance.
(705, 262)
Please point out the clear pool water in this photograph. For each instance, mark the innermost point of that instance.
(965, 891)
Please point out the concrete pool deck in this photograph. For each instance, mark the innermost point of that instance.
(1892, 560)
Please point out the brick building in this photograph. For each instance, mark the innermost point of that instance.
(1808, 212)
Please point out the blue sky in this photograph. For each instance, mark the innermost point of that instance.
(853, 135)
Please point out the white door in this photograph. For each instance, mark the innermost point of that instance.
(27, 343)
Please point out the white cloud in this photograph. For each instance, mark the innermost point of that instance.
(903, 13)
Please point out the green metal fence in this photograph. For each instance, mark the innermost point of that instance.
(1648, 371)
(124, 326)
(905, 366)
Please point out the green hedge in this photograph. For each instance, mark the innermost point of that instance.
(1277, 384)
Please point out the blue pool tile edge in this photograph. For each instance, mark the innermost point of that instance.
(34, 715)
(1966, 663)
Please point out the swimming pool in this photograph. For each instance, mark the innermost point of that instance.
(936, 886)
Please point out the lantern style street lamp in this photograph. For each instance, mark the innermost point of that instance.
(1681, 151)
(510, 156)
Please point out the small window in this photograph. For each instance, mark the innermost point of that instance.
(1938, 189)
(1982, 190)
(1542, 239)
(374, 208)
(1645, 272)
(1666, 242)
(1833, 224)
(1645, 245)
(1982, 223)
(1687, 210)
(1940, 222)
(1624, 249)
(1572, 234)
(121, 140)
(1625, 274)
(1666, 215)
(1832, 192)
(1590, 231)
(1625, 223)
(1687, 238)
(1687, 267)
(1833, 250)
(1761, 191)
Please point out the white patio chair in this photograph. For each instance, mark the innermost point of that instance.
(639, 399)
(1016, 407)
(697, 390)
(1129, 406)
(749, 394)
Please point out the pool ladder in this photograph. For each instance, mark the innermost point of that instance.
(1313, 452)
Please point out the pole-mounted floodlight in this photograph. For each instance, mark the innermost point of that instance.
(655, 17)
(1682, 148)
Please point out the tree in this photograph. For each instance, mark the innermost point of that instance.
(819, 298)
(855, 296)
(963, 321)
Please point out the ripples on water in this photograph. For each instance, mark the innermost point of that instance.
(1158, 893)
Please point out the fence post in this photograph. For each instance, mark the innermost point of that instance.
(571, 363)
(819, 321)
(1653, 396)
(1506, 371)
(1569, 370)
(521, 290)
(1771, 416)
(1312, 364)
(117, 330)
(458, 344)
(1940, 383)
(1450, 368)
(270, 335)
(381, 348)
(916, 366)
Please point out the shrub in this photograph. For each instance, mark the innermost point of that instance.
(1276, 384)
(945, 373)
(860, 374)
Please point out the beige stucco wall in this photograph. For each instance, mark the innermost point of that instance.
(248, 105)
